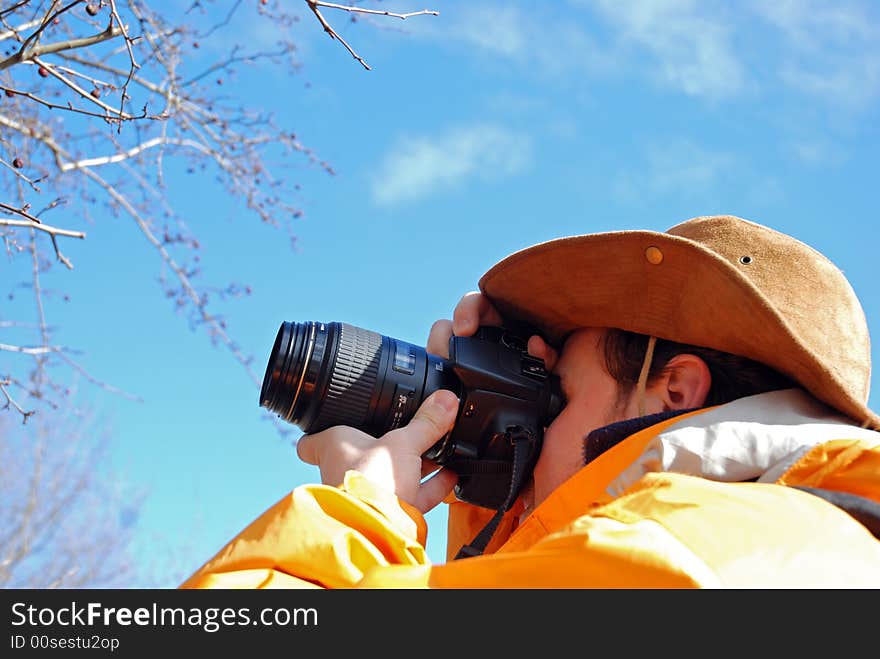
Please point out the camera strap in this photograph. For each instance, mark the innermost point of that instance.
(522, 440)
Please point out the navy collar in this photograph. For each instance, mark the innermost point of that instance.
(602, 439)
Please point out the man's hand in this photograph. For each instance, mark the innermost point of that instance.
(472, 311)
(395, 459)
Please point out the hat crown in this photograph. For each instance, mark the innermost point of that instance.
(805, 288)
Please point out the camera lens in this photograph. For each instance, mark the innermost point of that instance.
(325, 374)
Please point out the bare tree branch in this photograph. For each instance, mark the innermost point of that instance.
(133, 65)
(70, 44)
(378, 12)
(111, 113)
(315, 6)
(53, 231)
(106, 107)
(10, 402)
(65, 520)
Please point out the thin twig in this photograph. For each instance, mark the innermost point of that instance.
(13, 32)
(95, 381)
(88, 113)
(224, 22)
(19, 211)
(15, 170)
(114, 13)
(11, 10)
(333, 34)
(117, 115)
(38, 350)
(37, 287)
(46, 22)
(134, 151)
(315, 4)
(58, 46)
(380, 12)
(52, 231)
(10, 402)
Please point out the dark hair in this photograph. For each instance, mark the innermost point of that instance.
(732, 376)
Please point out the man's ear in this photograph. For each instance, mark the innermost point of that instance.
(684, 383)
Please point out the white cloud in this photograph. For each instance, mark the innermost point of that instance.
(418, 166)
(848, 81)
(818, 152)
(683, 166)
(832, 49)
(693, 50)
(540, 41)
(713, 50)
(814, 24)
(499, 30)
(827, 49)
(679, 167)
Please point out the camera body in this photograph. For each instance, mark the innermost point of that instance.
(503, 391)
(325, 374)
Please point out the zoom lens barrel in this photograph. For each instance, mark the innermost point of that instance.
(325, 374)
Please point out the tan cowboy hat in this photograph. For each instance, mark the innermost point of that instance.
(717, 281)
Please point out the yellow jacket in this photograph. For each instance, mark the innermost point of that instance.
(706, 500)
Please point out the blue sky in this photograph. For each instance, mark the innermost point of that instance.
(488, 128)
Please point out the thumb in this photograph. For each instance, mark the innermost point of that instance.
(434, 418)
(307, 450)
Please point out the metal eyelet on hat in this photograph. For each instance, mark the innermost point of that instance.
(653, 255)
(745, 260)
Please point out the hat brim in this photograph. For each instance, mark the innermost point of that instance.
(661, 285)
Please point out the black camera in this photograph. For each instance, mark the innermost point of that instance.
(326, 374)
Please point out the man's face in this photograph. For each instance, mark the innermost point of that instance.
(591, 401)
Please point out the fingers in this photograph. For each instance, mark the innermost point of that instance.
(438, 338)
(539, 348)
(307, 449)
(432, 420)
(433, 490)
(473, 310)
(393, 460)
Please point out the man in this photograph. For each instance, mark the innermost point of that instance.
(715, 433)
